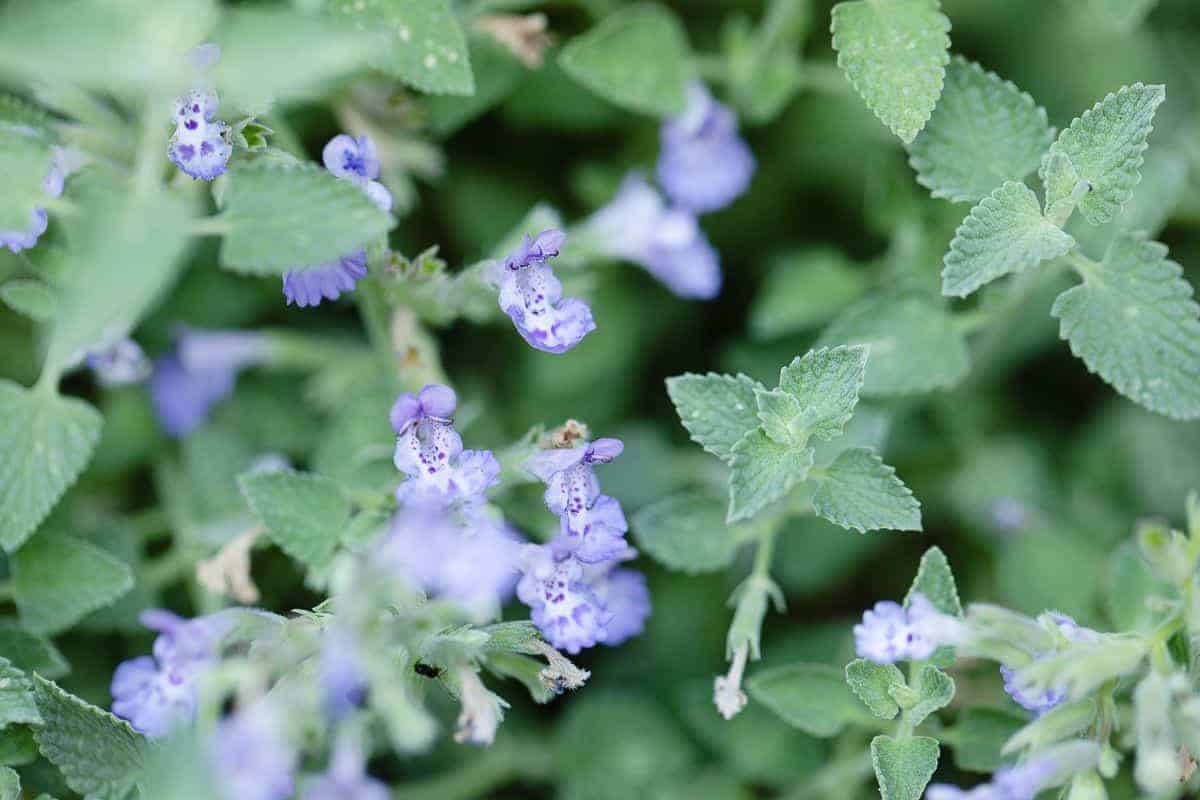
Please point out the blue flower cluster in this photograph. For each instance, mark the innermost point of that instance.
(890, 632)
(199, 373)
(1040, 701)
(198, 146)
(531, 296)
(576, 593)
(703, 166)
(355, 160)
(52, 186)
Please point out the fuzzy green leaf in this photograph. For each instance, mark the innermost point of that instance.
(45, 442)
(10, 784)
(30, 297)
(31, 653)
(303, 513)
(16, 697)
(984, 132)
(895, 53)
(903, 766)
(637, 57)
(25, 160)
(935, 690)
(936, 581)
(686, 532)
(803, 290)
(811, 697)
(779, 412)
(1005, 233)
(1106, 148)
(858, 491)
(873, 683)
(979, 735)
(763, 471)
(59, 579)
(826, 381)
(717, 410)
(1134, 322)
(283, 216)
(915, 345)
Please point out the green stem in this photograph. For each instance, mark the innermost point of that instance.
(1084, 266)
(7, 589)
(172, 566)
(824, 78)
(375, 316)
(209, 226)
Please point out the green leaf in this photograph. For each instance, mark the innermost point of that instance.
(281, 217)
(903, 766)
(763, 471)
(497, 74)
(826, 382)
(915, 344)
(303, 513)
(858, 491)
(59, 579)
(1106, 148)
(936, 581)
(811, 697)
(25, 160)
(779, 411)
(425, 46)
(30, 297)
(935, 690)
(637, 57)
(31, 653)
(45, 442)
(895, 53)
(717, 410)
(686, 532)
(984, 132)
(1122, 16)
(16, 697)
(803, 290)
(99, 755)
(108, 291)
(1005, 233)
(10, 784)
(979, 735)
(873, 683)
(1133, 321)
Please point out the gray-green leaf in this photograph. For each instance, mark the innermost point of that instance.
(895, 53)
(914, 343)
(98, 754)
(59, 579)
(1134, 322)
(826, 381)
(873, 683)
(10, 784)
(45, 442)
(637, 57)
(16, 697)
(1106, 148)
(763, 471)
(936, 581)
(30, 297)
(31, 653)
(903, 766)
(803, 290)
(717, 410)
(283, 217)
(935, 690)
(811, 697)
(984, 131)
(858, 491)
(25, 160)
(979, 735)
(686, 532)
(779, 412)
(303, 513)
(1005, 233)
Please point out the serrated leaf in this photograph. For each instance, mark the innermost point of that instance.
(1104, 147)
(778, 411)
(717, 410)
(31, 653)
(914, 343)
(858, 491)
(30, 297)
(826, 381)
(1005, 233)
(25, 160)
(303, 513)
(872, 684)
(803, 290)
(99, 755)
(686, 532)
(811, 697)
(936, 581)
(903, 766)
(1133, 322)
(979, 735)
(425, 46)
(984, 132)
(895, 53)
(637, 57)
(45, 442)
(58, 579)
(935, 690)
(283, 217)
(763, 471)
(16, 697)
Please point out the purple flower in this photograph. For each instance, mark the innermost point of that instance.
(891, 633)
(625, 597)
(198, 146)
(434, 400)
(346, 778)
(52, 186)
(1025, 781)
(308, 286)
(340, 674)
(200, 373)
(251, 756)
(562, 604)
(593, 525)
(531, 296)
(1041, 701)
(703, 164)
(667, 242)
(119, 364)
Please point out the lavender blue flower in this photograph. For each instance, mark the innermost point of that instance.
(703, 164)
(562, 604)
(346, 778)
(198, 145)
(625, 597)
(60, 167)
(1026, 780)
(355, 160)
(1041, 701)
(593, 525)
(531, 296)
(119, 364)
(340, 674)
(637, 226)
(890, 633)
(252, 757)
(200, 373)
